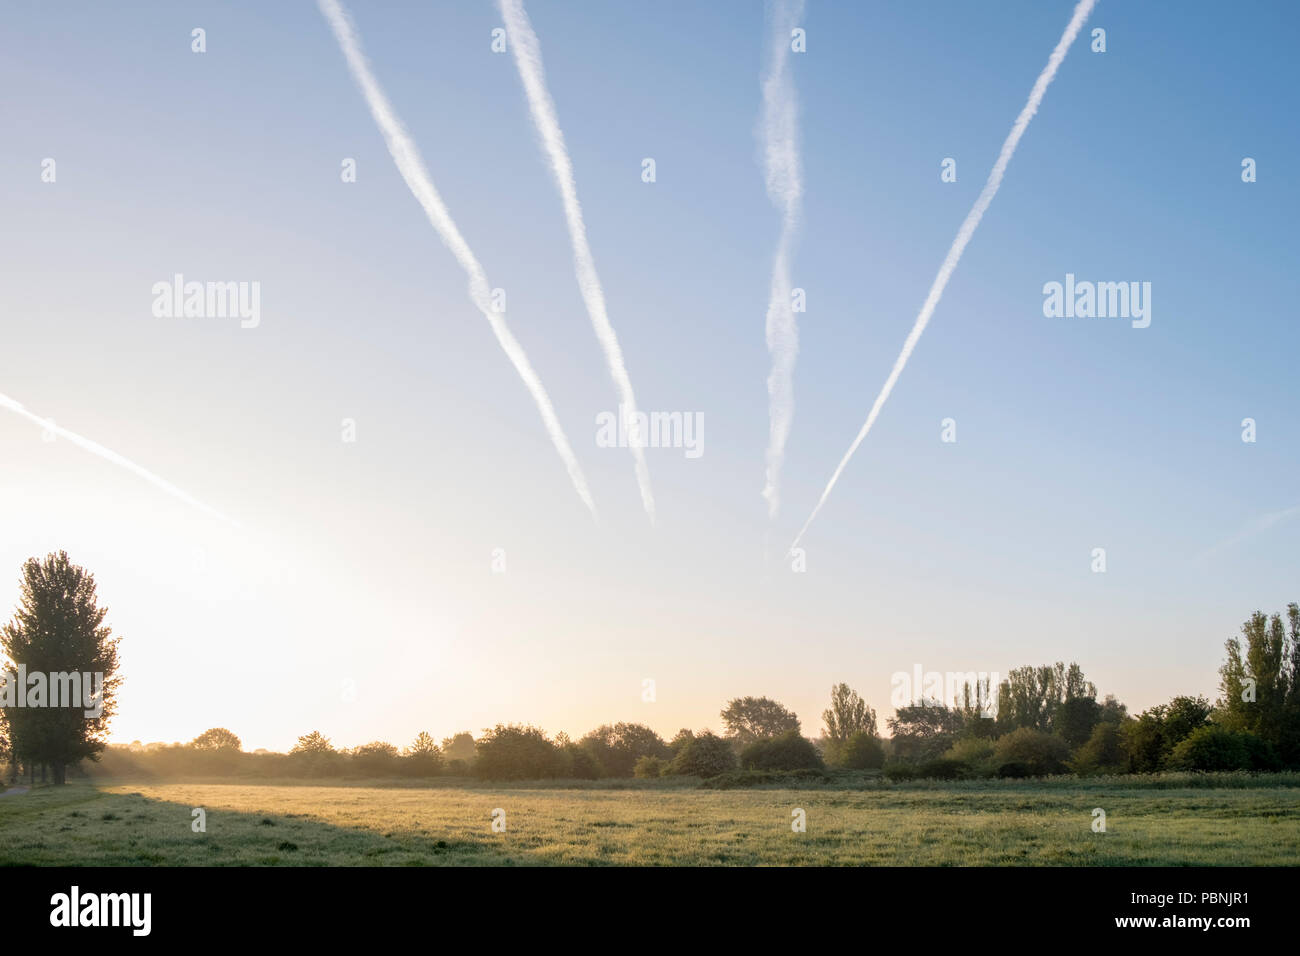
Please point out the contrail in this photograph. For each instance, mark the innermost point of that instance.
(109, 455)
(528, 58)
(1258, 526)
(411, 165)
(1081, 11)
(780, 129)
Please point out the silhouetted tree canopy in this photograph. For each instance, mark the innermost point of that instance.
(748, 719)
(59, 639)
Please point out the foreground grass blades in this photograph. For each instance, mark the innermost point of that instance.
(1149, 821)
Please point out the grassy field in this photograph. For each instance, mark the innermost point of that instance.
(1044, 823)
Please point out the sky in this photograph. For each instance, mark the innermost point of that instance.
(353, 589)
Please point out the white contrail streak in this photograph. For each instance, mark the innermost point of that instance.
(780, 128)
(411, 166)
(528, 58)
(109, 455)
(1081, 11)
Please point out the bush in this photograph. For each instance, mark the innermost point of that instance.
(512, 752)
(1041, 752)
(705, 755)
(1014, 770)
(942, 769)
(976, 754)
(1216, 748)
(737, 779)
(581, 764)
(1103, 752)
(1261, 753)
(898, 770)
(787, 751)
(617, 748)
(650, 767)
(377, 759)
(862, 751)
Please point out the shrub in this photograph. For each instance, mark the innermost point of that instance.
(1042, 752)
(375, 759)
(1014, 770)
(787, 751)
(1103, 752)
(683, 737)
(1149, 740)
(1075, 718)
(705, 755)
(943, 769)
(649, 767)
(1261, 753)
(422, 758)
(736, 779)
(975, 753)
(898, 770)
(1216, 748)
(581, 765)
(862, 751)
(513, 752)
(617, 748)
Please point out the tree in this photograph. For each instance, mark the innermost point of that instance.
(862, 751)
(649, 767)
(748, 719)
(377, 758)
(1142, 742)
(924, 730)
(459, 747)
(1212, 748)
(423, 746)
(847, 715)
(58, 634)
(423, 758)
(1260, 682)
(313, 743)
(1102, 752)
(704, 755)
(1180, 717)
(616, 749)
(788, 751)
(1112, 711)
(680, 740)
(1040, 752)
(580, 764)
(218, 738)
(1031, 696)
(516, 752)
(1075, 718)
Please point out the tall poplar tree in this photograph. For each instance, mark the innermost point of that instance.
(57, 631)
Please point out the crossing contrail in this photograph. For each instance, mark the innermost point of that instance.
(780, 128)
(1081, 11)
(411, 165)
(528, 58)
(109, 455)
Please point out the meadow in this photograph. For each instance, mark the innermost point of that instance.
(1194, 820)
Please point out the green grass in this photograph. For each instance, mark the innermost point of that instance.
(1163, 820)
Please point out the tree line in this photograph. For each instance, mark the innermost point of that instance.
(1048, 720)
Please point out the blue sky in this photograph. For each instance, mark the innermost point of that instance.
(370, 562)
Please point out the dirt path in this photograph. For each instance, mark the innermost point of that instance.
(15, 791)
